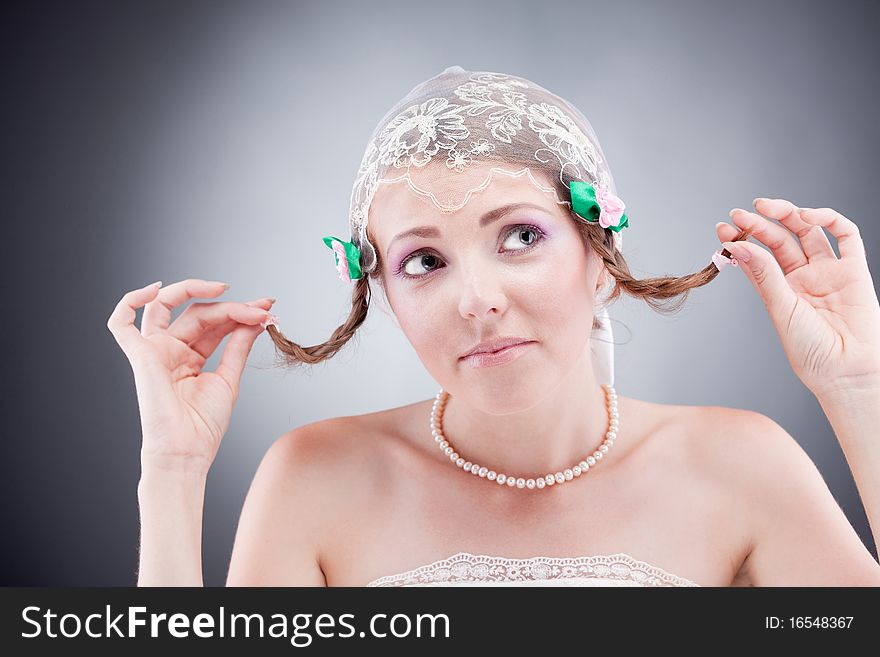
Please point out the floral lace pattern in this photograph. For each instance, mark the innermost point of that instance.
(463, 567)
(463, 116)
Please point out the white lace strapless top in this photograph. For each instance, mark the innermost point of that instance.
(466, 569)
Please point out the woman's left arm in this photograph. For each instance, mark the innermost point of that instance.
(826, 313)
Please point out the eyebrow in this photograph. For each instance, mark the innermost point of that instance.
(485, 220)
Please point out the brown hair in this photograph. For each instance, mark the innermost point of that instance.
(656, 292)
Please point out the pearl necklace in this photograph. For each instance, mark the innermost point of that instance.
(553, 478)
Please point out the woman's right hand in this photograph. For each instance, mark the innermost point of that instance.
(185, 412)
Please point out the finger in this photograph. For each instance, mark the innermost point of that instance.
(157, 313)
(768, 280)
(845, 231)
(813, 240)
(205, 343)
(235, 354)
(781, 242)
(725, 231)
(121, 321)
(199, 318)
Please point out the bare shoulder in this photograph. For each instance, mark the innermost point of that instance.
(335, 442)
(346, 457)
(726, 442)
(309, 482)
(703, 459)
(739, 451)
(781, 498)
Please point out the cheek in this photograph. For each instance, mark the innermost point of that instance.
(558, 289)
(424, 323)
(557, 304)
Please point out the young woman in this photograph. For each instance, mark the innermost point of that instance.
(485, 213)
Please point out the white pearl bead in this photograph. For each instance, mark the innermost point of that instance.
(459, 461)
(483, 471)
(603, 449)
(540, 483)
(598, 455)
(576, 470)
(511, 482)
(491, 475)
(520, 483)
(591, 461)
(475, 469)
(530, 483)
(444, 445)
(550, 479)
(560, 478)
(502, 478)
(584, 466)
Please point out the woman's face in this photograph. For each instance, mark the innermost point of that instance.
(509, 263)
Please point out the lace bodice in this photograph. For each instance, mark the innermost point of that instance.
(466, 569)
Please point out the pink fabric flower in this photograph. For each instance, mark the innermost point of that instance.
(721, 261)
(342, 262)
(611, 207)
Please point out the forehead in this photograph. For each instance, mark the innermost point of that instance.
(396, 206)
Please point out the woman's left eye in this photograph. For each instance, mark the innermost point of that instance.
(518, 232)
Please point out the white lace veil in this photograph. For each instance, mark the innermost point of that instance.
(506, 124)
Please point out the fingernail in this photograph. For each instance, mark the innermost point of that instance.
(156, 284)
(738, 251)
(760, 198)
(735, 210)
(272, 299)
(226, 286)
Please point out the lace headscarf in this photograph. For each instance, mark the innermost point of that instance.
(506, 125)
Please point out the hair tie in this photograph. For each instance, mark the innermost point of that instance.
(348, 258)
(721, 261)
(598, 205)
(272, 319)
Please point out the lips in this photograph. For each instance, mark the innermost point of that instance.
(496, 344)
(502, 356)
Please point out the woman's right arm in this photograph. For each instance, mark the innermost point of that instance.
(184, 411)
(171, 503)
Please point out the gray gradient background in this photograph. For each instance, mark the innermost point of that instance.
(148, 141)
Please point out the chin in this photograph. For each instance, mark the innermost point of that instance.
(509, 390)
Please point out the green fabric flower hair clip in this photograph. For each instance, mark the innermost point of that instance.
(348, 258)
(596, 204)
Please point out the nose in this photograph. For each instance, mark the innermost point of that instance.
(482, 294)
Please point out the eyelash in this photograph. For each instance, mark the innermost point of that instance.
(402, 266)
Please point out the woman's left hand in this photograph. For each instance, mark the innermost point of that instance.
(824, 308)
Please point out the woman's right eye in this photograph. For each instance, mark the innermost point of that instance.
(420, 257)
